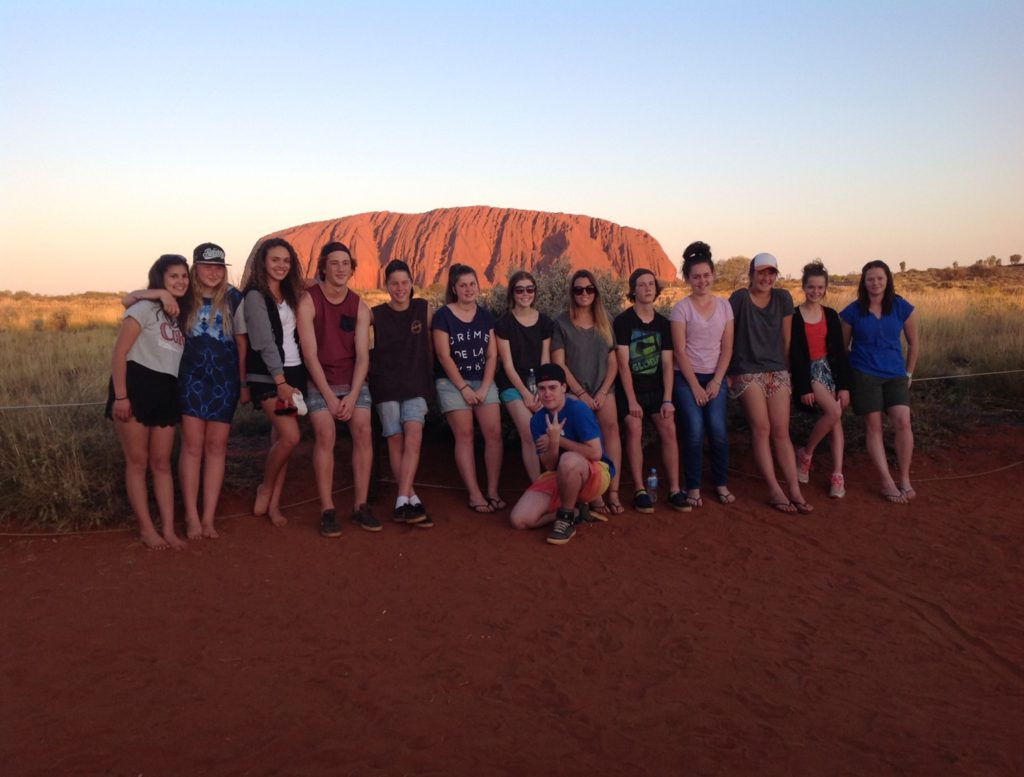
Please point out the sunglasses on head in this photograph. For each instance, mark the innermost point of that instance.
(579, 291)
(524, 289)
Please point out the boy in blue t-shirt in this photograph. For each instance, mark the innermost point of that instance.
(576, 469)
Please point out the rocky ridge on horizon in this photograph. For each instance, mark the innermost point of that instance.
(494, 241)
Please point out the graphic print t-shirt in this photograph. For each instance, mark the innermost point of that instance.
(467, 341)
(645, 342)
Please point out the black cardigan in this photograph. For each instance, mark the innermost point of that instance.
(800, 355)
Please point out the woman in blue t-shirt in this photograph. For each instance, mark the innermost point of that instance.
(467, 355)
(872, 329)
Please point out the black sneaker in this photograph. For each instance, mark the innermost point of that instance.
(401, 514)
(329, 524)
(364, 519)
(678, 502)
(418, 516)
(642, 502)
(564, 528)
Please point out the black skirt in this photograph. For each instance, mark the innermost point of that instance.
(153, 396)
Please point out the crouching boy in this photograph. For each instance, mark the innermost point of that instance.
(575, 467)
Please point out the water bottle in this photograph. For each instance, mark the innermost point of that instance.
(531, 383)
(652, 484)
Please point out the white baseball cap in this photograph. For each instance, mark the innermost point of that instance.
(765, 260)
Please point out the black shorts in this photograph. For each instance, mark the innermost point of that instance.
(153, 396)
(650, 401)
(293, 376)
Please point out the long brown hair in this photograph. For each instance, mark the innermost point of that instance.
(292, 288)
(601, 322)
(888, 297)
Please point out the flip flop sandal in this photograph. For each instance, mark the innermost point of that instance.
(481, 507)
(786, 507)
(803, 508)
(496, 504)
(694, 501)
(908, 493)
(898, 498)
(726, 498)
(614, 505)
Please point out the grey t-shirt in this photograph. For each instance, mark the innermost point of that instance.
(757, 343)
(160, 343)
(586, 352)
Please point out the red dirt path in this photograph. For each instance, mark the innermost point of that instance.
(866, 639)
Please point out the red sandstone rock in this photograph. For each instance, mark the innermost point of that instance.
(494, 241)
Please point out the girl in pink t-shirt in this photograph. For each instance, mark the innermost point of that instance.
(702, 330)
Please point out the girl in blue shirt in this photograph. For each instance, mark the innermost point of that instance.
(872, 329)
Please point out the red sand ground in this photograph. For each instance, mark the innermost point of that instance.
(867, 639)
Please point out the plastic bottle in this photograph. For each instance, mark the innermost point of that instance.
(531, 383)
(652, 484)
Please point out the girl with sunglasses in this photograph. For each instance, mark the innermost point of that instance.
(583, 345)
(524, 343)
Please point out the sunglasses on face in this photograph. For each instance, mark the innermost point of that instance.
(579, 291)
(524, 289)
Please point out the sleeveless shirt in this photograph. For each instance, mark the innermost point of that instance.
(335, 328)
(400, 362)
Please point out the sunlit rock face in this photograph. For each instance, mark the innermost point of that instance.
(494, 241)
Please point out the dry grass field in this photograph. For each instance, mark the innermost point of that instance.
(61, 466)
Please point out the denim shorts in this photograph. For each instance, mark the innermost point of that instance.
(510, 395)
(450, 398)
(315, 400)
(394, 415)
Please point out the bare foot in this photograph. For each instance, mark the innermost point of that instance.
(152, 540)
(277, 517)
(259, 508)
(908, 491)
(173, 539)
(193, 530)
(209, 532)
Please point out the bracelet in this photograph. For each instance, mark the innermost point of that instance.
(120, 399)
(580, 393)
(666, 401)
(464, 386)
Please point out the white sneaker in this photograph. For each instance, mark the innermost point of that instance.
(837, 488)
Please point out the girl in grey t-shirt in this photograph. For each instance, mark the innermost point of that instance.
(759, 377)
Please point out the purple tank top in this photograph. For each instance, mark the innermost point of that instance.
(335, 327)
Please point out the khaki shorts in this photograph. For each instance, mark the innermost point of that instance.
(872, 394)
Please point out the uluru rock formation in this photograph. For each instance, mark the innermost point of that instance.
(494, 241)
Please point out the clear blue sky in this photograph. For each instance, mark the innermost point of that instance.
(849, 131)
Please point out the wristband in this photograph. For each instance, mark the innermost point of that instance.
(910, 374)
(120, 399)
(666, 401)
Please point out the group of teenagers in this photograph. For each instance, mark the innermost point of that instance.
(191, 347)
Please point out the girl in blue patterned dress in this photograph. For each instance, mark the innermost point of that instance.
(210, 382)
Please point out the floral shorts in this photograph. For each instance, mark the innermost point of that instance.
(822, 373)
(769, 382)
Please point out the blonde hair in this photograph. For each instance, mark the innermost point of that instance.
(597, 311)
(218, 301)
